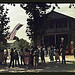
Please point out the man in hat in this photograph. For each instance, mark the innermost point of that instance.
(63, 50)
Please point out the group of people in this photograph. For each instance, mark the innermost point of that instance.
(58, 51)
(22, 57)
(31, 56)
(14, 57)
(54, 51)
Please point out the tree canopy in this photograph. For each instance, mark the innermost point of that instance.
(23, 44)
(36, 21)
(4, 20)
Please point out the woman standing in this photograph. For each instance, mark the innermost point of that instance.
(27, 57)
(51, 53)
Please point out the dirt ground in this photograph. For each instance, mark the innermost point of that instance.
(47, 67)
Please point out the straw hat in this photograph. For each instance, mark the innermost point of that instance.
(72, 42)
(62, 38)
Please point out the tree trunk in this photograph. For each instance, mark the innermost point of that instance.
(1, 57)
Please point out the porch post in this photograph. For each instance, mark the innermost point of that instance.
(55, 32)
(43, 40)
(55, 39)
(68, 31)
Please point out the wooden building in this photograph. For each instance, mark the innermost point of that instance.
(58, 26)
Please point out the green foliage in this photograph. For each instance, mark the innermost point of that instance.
(36, 12)
(36, 21)
(4, 20)
(2, 46)
(23, 44)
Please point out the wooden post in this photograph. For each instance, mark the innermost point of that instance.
(55, 39)
(43, 40)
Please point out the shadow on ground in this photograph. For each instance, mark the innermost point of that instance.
(47, 67)
(58, 67)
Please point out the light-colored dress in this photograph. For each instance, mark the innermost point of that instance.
(56, 55)
(27, 58)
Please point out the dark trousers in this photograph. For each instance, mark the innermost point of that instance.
(42, 59)
(17, 60)
(51, 58)
(32, 60)
(5, 61)
(11, 62)
(63, 59)
(22, 60)
(36, 61)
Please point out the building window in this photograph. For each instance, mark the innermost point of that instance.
(61, 23)
(69, 24)
(51, 24)
(64, 24)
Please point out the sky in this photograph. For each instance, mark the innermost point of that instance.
(18, 15)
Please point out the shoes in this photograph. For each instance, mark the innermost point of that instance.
(27, 67)
(12, 66)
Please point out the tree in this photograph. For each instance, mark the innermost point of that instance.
(23, 44)
(37, 13)
(4, 20)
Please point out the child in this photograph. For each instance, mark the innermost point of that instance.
(57, 55)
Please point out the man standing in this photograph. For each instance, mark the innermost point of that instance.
(36, 57)
(51, 53)
(42, 54)
(12, 58)
(63, 50)
(16, 58)
(22, 56)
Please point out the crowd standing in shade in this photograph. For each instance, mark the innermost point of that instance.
(31, 57)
